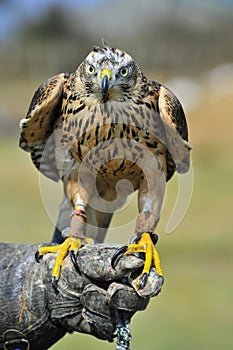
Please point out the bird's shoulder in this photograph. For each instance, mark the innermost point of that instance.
(165, 108)
(43, 111)
(36, 129)
(168, 106)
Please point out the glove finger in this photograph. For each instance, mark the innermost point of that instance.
(95, 262)
(95, 300)
(97, 326)
(153, 285)
(97, 315)
(124, 297)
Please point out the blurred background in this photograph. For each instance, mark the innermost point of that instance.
(186, 45)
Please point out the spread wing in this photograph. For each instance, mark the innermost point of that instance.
(176, 132)
(37, 127)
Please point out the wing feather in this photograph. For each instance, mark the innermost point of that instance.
(37, 127)
(176, 131)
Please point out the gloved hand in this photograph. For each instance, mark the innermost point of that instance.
(89, 301)
(101, 290)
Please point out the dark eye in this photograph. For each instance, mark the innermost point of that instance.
(90, 69)
(124, 72)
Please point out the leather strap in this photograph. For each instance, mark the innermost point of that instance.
(15, 340)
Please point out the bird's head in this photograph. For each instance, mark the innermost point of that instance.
(109, 74)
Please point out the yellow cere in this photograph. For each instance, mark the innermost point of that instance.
(107, 72)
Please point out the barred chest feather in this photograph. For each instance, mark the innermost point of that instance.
(111, 139)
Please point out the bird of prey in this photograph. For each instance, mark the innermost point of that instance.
(101, 124)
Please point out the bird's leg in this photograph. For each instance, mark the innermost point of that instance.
(150, 200)
(78, 196)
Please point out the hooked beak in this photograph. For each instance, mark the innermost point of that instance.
(105, 86)
(106, 76)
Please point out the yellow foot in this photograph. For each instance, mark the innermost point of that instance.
(68, 246)
(147, 246)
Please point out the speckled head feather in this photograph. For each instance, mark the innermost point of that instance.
(110, 54)
(124, 74)
(106, 43)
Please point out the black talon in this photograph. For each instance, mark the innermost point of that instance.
(38, 257)
(74, 261)
(117, 253)
(143, 280)
(154, 238)
(54, 284)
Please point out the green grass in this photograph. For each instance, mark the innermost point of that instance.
(194, 310)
